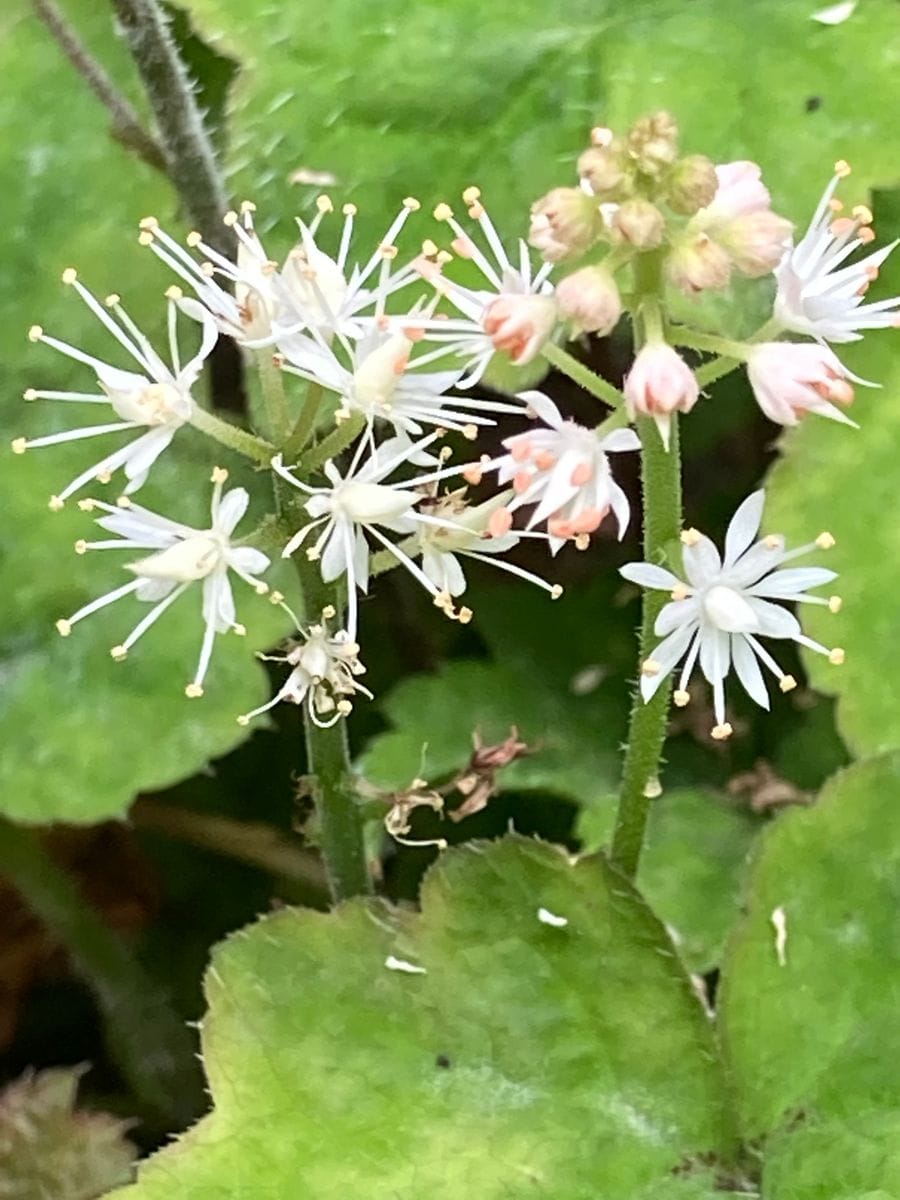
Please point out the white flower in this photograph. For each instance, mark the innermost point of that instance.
(725, 606)
(358, 503)
(158, 399)
(817, 293)
(310, 291)
(790, 379)
(466, 534)
(562, 470)
(180, 557)
(324, 674)
(516, 312)
(382, 383)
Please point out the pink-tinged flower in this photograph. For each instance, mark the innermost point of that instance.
(790, 379)
(563, 470)
(820, 296)
(590, 299)
(520, 325)
(757, 241)
(564, 224)
(740, 191)
(696, 263)
(659, 383)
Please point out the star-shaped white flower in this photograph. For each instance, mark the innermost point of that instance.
(515, 313)
(158, 399)
(726, 605)
(562, 470)
(821, 294)
(324, 671)
(181, 556)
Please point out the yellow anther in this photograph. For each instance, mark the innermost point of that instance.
(842, 168)
(774, 541)
(680, 592)
(443, 212)
(86, 505)
(835, 604)
(465, 615)
(277, 598)
(787, 683)
(230, 219)
(476, 211)
(69, 275)
(681, 697)
(148, 223)
(556, 591)
(836, 656)
(35, 333)
(690, 537)
(55, 504)
(722, 732)
(825, 541)
(174, 292)
(247, 206)
(344, 707)
(123, 502)
(863, 214)
(324, 204)
(81, 546)
(19, 445)
(443, 257)
(470, 432)
(312, 554)
(112, 300)
(145, 237)
(194, 238)
(63, 628)
(650, 667)
(471, 195)
(29, 394)
(582, 541)
(349, 210)
(429, 249)
(388, 252)
(261, 588)
(240, 630)
(411, 203)
(118, 653)
(193, 691)
(328, 612)
(243, 719)
(219, 475)
(103, 476)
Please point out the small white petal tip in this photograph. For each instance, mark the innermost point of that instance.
(546, 917)
(400, 964)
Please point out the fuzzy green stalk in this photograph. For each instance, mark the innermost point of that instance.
(272, 387)
(305, 424)
(661, 487)
(232, 436)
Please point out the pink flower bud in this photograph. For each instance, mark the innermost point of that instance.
(696, 263)
(740, 191)
(564, 224)
(603, 169)
(659, 383)
(640, 223)
(692, 184)
(653, 142)
(590, 299)
(790, 379)
(756, 241)
(520, 325)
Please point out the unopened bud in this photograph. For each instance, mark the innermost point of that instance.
(640, 223)
(520, 325)
(756, 241)
(660, 383)
(653, 143)
(692, 184)
(603, 169)
(564, 224)
(590, 299)
(696, 263)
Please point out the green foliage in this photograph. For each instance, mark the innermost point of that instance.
(811, 1031)
(508, 1067)
(52, 1150)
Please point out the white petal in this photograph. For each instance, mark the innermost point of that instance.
(674, 614)
(715, 653)
(231, 509)
(543, 407)
(748, 671)
(334, 555)
(650, 576)
(744, 526)
(774, 621)
(249, 560)
(792, 581)
(669, 651)
(619, 440)
(701, 561)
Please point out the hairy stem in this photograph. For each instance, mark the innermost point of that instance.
(149, 1042)
(333, 443)
(126, 125)
(583, 376)
(232, 436)
(272, 386)
(302, 431)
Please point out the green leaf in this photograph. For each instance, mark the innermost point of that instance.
(521, 1059)
(52, 1150)
(691, 867)
(857, 1158)
(810, 1026)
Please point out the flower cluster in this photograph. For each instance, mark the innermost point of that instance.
(393, 349)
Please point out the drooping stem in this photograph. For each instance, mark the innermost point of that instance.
(149, 1042)
(126, 125)
(661, 484)
(232, 436)
(583, 376)
(661, 488)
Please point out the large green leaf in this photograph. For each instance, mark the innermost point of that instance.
(522, 1058)
(810, 1019)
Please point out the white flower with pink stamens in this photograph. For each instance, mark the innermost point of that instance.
(821, 294)
(181, 556)
(156, 400)
(726, 605)
(660, 383)
(791, 379)
(562, 470)
(360, 502)
(263, 302)
(383, 383)
(324, 675)
(515, 313)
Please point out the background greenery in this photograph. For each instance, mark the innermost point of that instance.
(427, 98)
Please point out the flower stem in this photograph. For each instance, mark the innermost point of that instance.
(272, 387)
(149, 1042)
(582, 375)
(302, 430)
(661, 481)
(677, 335)
(232, 436)
(717, 367)
(332, 444)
